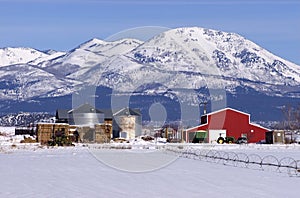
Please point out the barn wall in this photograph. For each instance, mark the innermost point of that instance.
(235, 123)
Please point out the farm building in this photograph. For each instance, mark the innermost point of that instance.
(85, 115)
(127, 123)
(85, 118)
(91, 122)
(226, 122)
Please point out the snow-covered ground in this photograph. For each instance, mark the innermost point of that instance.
(31, 171)
(9, 139)
(7, 130)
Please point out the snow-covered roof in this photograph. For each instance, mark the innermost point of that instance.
(226, 109)
(85, 108)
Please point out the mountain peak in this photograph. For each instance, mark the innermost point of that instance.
(92, 43)
(95, 43)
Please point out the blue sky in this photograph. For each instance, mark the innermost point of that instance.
(64, 24)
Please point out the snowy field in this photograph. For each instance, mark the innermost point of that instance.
(7, 130)
(31, 171)
(278, 150)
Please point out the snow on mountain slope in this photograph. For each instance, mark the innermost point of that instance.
(172, 50)
(178, 59)
(50, 51)
(21, 82)
(10, 56)
(192, 58)
(116, 72)
(41, 61)
(96, 51)
(110, 48)
(93, 52)
(79, 57)
(215, 52)
(128, 75)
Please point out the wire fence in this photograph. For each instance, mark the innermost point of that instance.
(286, 165)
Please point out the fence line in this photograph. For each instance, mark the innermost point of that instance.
(286, 165)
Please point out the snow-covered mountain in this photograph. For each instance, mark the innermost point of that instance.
(209, 51)
(93, 52)
(191, 58)
(41, 61)
(11, 56)
(22, 82)
(174, 62)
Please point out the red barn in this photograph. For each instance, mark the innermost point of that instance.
(227, 122)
